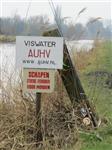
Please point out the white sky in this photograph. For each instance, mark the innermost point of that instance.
(70, 8)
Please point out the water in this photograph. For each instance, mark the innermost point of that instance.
(7, 63)
(7, 66)
(79, 45)
(7, 58)
(7, 53)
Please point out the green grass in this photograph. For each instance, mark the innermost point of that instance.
(100, 147)
(7, 38)
(101, 96)
(92, 142)
(101, 58)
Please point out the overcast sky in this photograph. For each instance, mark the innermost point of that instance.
(70, 8)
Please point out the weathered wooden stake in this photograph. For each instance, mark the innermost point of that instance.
(71, 80)
(38, 117)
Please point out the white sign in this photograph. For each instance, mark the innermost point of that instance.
(39, 52)
(38, 80)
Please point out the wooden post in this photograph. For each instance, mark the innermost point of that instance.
(69, 74)
(38, 117)
(71, 80)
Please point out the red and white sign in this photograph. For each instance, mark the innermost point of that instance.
(39, 52)
(37, 80)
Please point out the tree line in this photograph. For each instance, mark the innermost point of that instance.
(36, 25)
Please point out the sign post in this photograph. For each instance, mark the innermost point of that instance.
(39, 57)
(38, 116)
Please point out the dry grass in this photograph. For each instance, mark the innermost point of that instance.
(18, 122)
(83, 59)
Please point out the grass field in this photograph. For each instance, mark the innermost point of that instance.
(95, 72)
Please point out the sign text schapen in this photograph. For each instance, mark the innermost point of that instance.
(38, 80)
